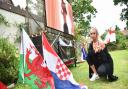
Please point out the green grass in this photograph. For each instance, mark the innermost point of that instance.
(120, 59)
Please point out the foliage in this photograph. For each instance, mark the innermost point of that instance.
(112, 46)
(3, 20)
(22, 86)
(8, 62)
(36, 6)
(124, 13)
(104, 35)
(21, 25)
(83, 11)
(121, 41)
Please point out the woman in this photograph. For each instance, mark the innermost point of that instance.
(99, 60)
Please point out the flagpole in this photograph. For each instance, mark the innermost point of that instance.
(55, 39)
(22, 43)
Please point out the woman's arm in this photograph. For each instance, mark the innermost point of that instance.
(90, 49)
(107, 55)
(90, 55)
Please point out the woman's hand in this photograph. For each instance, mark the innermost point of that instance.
(97, 49)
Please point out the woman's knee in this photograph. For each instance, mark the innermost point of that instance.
(102, 70)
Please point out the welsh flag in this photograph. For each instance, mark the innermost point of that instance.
(33, 70)
(3, 86)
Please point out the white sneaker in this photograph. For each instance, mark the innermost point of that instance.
(94, 77)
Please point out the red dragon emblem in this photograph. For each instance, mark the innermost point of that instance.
(35, 68)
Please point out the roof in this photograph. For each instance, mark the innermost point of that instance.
(7, 1)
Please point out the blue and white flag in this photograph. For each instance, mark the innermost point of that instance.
(84, 54)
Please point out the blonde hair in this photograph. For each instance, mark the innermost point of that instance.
(94, 28)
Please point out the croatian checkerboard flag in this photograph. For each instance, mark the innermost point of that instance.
(63, 77)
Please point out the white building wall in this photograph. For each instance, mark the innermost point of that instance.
(12, 30)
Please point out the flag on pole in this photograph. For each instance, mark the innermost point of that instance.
(63, 77)
(33, 70)
(111, 36)
(83, 54)
(3, 86)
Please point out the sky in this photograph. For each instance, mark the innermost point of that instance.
(22, 3)
(107, 16)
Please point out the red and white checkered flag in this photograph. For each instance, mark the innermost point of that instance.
(62, 71)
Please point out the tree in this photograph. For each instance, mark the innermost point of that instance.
(8, 61)
(121, 41)
(35, 6)
(83, 11)
(124, 13)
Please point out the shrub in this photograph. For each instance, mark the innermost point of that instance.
(22, 86)
(120, 44)
(123, 45)
(112, 46)
(8, 62)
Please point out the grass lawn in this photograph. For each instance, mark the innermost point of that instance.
(120, 59)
